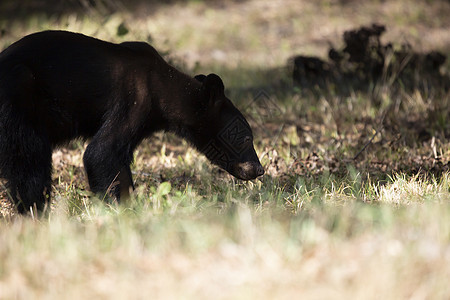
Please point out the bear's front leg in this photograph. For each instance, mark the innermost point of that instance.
(125, 182)
(107, 164)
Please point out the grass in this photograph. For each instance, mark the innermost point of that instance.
(320, 224)
(318, 243)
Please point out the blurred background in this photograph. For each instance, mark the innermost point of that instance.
(233, 33)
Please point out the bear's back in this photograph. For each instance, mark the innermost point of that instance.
(64, 51)
(68, 81)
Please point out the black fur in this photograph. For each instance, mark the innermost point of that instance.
(56, 86)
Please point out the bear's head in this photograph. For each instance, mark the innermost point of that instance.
(222, 133)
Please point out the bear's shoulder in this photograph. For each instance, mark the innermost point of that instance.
(141, 47)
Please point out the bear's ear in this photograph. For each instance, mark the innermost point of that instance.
(214, 86)
(213, 91)
(200, 77)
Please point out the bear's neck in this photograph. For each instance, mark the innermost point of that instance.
(178, 104)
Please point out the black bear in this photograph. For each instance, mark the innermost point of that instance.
(56, 86)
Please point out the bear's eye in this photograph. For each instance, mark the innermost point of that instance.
(247, 139)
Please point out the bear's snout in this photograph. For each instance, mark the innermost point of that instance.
(248, 170)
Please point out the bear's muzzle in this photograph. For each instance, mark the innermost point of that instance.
(247, 170)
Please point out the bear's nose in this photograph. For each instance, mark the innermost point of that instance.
(259, 171)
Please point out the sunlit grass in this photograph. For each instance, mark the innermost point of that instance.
(233, 248)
